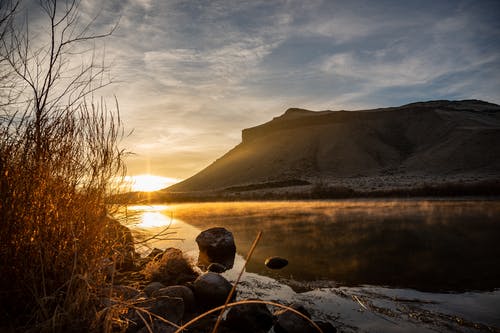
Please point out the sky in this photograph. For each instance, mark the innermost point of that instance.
(190, 75)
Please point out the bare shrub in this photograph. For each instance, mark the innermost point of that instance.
(59, 158)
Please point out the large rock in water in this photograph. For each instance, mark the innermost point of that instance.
(211, 290)
(216, 245)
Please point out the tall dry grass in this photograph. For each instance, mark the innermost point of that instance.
(58, 162)
(53, 226)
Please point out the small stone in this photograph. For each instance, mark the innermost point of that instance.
(290, 322)
(216, 268)
(152, 287)
(178, 291)
(211, 289)
(276, 262)
(249, 318)
(170, 308)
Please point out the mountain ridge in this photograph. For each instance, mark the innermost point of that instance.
(416, 143)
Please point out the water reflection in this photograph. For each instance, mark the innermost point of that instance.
(426, 245)
(154, 219)
(154, 226)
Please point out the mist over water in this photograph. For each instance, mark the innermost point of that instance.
(428, 245)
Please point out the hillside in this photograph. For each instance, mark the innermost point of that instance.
(397, 147)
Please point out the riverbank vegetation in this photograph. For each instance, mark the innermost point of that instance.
(58, 162)
(318, 191)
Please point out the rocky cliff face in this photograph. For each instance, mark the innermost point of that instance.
(443, 140)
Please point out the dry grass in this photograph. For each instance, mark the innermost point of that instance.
(184, 327)
(58, 162)
(171, 268)
(53, 238)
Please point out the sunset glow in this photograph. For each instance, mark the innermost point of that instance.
(152, 216)
(148, 183)
(154, 219)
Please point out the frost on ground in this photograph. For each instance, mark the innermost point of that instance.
(379, 309)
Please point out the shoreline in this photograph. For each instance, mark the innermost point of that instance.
(484, 189)
(374, 307)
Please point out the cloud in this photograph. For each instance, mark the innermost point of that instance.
(407, 70)
(190, 75)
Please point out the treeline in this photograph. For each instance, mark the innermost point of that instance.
(321, 191)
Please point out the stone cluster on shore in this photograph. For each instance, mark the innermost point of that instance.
(165, 289)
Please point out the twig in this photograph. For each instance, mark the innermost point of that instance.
(233, 289)
(151, 314)
(356, 298)
(359, 301)
(145, 322)
(309, 320)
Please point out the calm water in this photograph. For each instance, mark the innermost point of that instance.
(428, 245)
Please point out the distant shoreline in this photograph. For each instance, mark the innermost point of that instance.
(483, 189)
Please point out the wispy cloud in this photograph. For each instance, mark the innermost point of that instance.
(191, 74)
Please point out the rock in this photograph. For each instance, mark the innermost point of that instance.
(211, 290)
(170, 268)
(183, 292)
(249, 318)
(154, 252)
(276, 262)
(216, 245)
(170, 308)
(204, 325)
(153, 287)
(216, 268)
(326, 327)
(289, 322)
(123, 248)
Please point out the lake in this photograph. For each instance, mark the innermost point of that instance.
(435, 247)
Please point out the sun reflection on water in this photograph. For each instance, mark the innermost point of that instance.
(156, 224)
(151, 216)
(154, 219)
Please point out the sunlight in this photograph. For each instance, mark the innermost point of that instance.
(150, 216)
(154, 219)
(148, 183)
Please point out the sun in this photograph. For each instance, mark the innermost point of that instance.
(149, 183)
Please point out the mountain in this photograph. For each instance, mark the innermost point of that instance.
(407, 146)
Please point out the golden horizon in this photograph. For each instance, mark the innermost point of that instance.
(149, 182)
